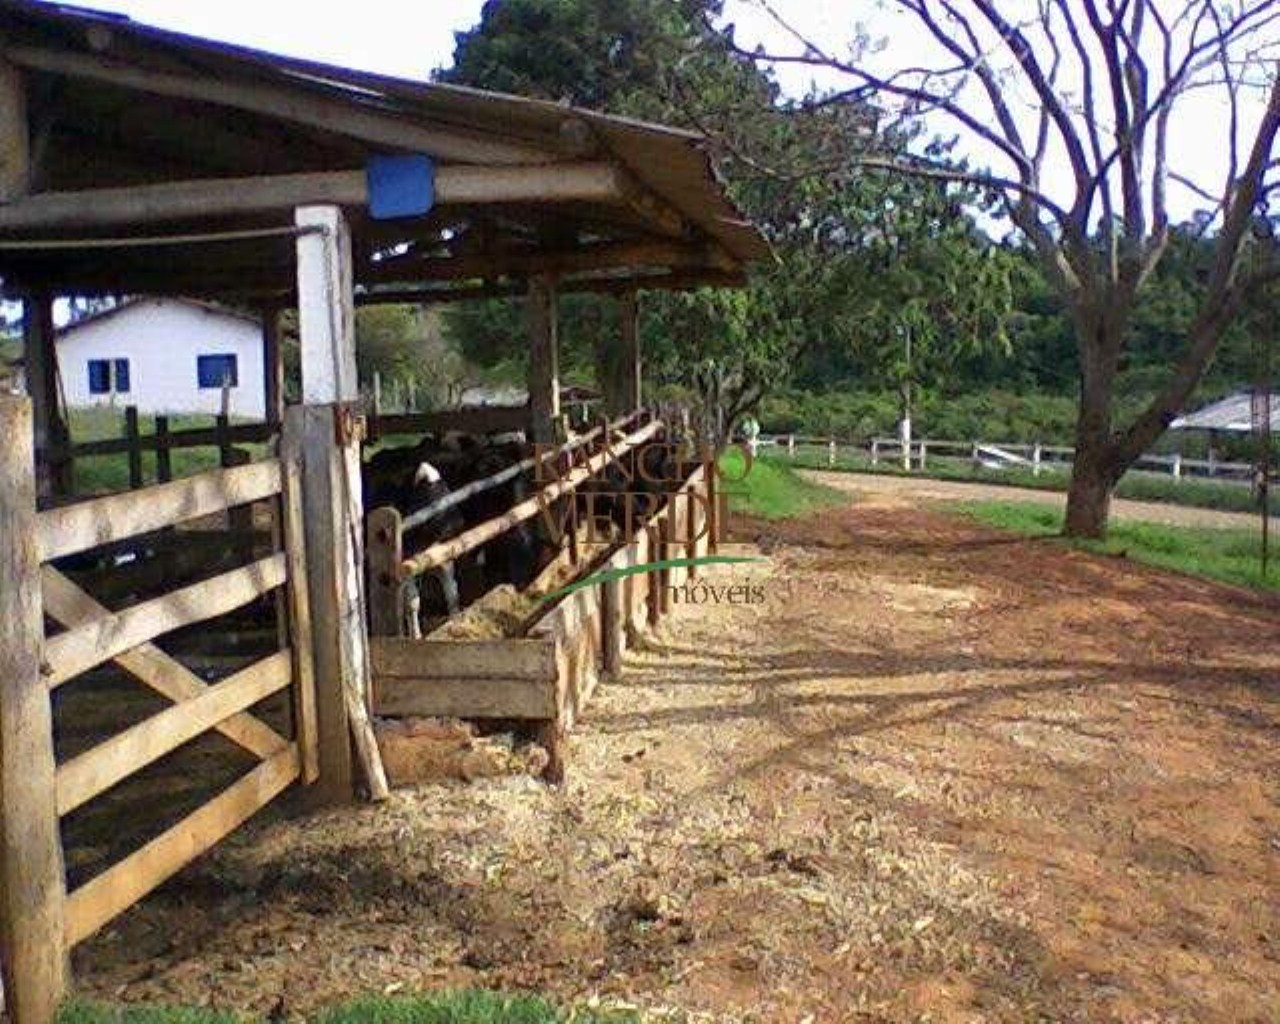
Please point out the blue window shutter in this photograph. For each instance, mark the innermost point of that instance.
(211, 371)
(99, 377)
(122, 376)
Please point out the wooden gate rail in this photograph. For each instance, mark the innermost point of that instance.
(39, 920)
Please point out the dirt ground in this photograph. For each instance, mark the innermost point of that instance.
(917, 490)
(939, 774)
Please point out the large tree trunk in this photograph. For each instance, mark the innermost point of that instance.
(1093, 470)
(1089, 497)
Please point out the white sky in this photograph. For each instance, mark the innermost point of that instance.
(411, 38)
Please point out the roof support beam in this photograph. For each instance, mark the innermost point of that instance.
(15, 134)
(564, 261)
(218, 197)
(300, 105)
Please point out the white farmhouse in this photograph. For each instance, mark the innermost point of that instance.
(165, 356)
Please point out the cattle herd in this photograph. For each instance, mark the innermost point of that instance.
(419, 479)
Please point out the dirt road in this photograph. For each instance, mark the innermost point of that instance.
(915, 490)
(938, 774)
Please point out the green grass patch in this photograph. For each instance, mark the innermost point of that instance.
(1230, 556)
(772, 489)
(1138, 486)
(464, 1007)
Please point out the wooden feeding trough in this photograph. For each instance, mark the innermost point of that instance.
(547, 675)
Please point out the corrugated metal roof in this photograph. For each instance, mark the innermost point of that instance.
(1233, 415)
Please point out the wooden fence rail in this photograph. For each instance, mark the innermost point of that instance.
(1033, 456)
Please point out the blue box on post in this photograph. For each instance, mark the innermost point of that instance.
(401, 186)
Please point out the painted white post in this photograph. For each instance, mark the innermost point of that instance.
(831, 452)
(924, 455)
(904, 438)
(1035, 459)
(791, 446)
(331, 490)
(1175, 466)
(875, 452)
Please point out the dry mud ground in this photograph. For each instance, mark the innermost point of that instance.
(939, 774)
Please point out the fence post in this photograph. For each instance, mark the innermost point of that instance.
(612, 625)
(332, 503)
(33, 950)
(924, 454)
(384, 545)
(1175, 467)
(791, 446)
(133, 436)
(1036, 454)
(831, 452)
(875, 452)
(164, 460)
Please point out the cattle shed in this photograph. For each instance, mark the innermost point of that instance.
(140, 162)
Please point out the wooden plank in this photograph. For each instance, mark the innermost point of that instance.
(32, 890)
(464, 698)
(85, 646)
(131, 206)
(449, 550)
(298, 596)
(272, 365)
(97, 770)
(68, 605)
(124, 883)
(90, 524)
(300, 104)
(461, 659)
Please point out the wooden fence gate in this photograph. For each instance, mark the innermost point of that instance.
(40, 919)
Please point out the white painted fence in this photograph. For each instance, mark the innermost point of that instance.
(994, 455)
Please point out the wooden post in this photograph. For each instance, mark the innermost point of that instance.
(272, 365)
(333, 503)
(831, 452)
(134, 437)
(713, 507)
(1036, 458)
(292, 535)
(612, 616)
(924, 455)
(377, 393)
(654, 601)
(666, 548)
(875, 452)
(544, 360)
(15, 136)
(51, 434)
(223, 429)
(164, 456)
(32, 886)
(1175, 466)
(629, 320)
(791, 446)
(385, 546)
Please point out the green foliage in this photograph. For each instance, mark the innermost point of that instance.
(1230, 556)
(770, 489)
